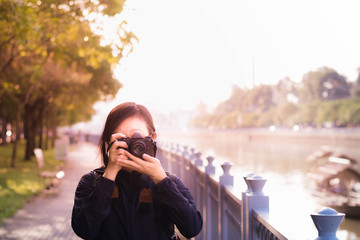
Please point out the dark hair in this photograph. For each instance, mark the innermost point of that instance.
(116, 116)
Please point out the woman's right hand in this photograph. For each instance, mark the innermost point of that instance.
(115, 153)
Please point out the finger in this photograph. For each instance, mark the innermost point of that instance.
(121, 158)
(119, 145)
(114, 140)
(149, 158)
(132, 157)
(116, 136)
(117, 150)
(136, 161)
(122, 152)
(130, 164)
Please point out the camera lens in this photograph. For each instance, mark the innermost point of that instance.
(138, 149)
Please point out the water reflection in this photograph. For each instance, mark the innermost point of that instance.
(283, 162)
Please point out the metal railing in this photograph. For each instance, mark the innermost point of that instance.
(226, 214)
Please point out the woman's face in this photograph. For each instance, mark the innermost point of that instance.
(132, 125)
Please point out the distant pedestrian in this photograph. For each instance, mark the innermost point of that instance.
(131, 197)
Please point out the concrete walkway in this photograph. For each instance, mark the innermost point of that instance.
(48, 216)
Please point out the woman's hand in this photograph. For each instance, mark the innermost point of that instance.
(148, 165)
(116, 154)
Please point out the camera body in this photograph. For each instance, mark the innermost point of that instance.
(138, 145)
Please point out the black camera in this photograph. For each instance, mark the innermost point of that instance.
(138, 145)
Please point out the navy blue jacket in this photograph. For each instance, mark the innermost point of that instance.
(132, 207)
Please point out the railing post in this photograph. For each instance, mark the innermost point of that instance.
(256, 200)
(327, 221)
(171, 157)
(193, 175)
(198, 181)
(226, 180)
(210, 169)
(163, 154)
(192, 156)
(191, 172)
(198, 162)
(243, 206)
(167, 156)
(184, 156)
(210, 221)
(178, 161)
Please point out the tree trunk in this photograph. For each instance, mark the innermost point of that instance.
(46, 129)
(40, 120)
(47, 135)
(54, 135)
(30, 126)
(17, 137)
(3, 132)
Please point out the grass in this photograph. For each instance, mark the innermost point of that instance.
(19, 184)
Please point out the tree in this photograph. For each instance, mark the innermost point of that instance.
(286, 114)
(259, 99)
(357, 85)
(285, 91)
(322, 97)
(324, 84)
(52, 64)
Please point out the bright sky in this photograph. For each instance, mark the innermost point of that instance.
(196, 50)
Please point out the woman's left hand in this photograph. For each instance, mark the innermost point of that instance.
(149, 165)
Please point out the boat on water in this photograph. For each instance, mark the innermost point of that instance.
(336, 181)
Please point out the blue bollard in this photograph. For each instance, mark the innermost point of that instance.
(255, 200)
(327, 221)
(243, 205)
(198, 160)
(210, 169)
(226, 179)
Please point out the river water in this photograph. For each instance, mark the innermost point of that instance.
(281, 159)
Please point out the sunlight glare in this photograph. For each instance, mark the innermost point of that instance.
(195, 51)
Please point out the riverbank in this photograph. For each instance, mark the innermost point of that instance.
(326, 136)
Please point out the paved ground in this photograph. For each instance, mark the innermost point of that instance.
(48, 215)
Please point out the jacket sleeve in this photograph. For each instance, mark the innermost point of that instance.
(92, 204)
(174, 198)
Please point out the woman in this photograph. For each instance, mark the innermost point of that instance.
(132, 197)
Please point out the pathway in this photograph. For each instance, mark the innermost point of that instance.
(48, 216)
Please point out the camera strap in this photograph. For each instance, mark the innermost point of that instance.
(110, 145)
